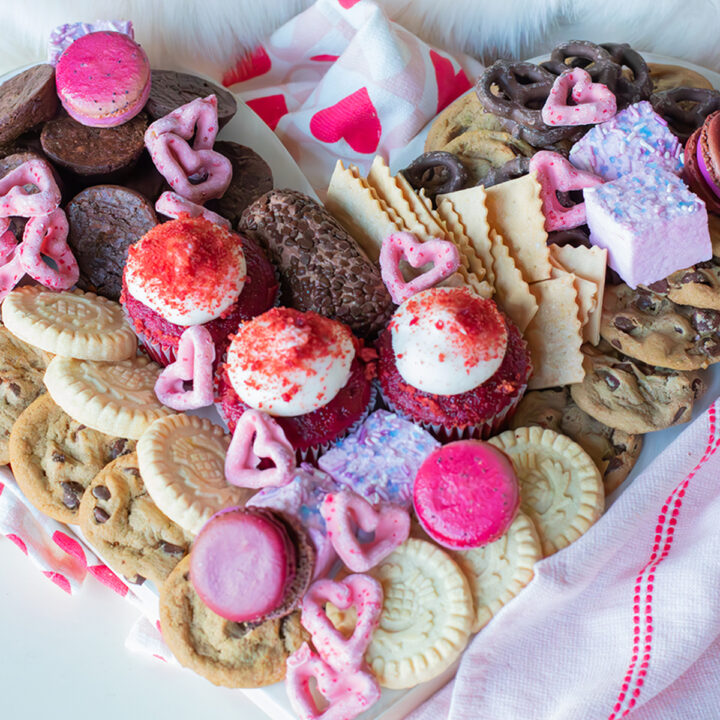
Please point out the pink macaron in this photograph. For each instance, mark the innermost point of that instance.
(466, 494)
(103, 79)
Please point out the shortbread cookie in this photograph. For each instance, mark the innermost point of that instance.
(54, 458)
(613, 451)
(426, 618)
(119, 518)
(560, 486)
(498, 571)
(21, 380)
(652, 328)
(115, 398)
(70, 324)
(182, 460)
(698, 286)
(235, 655)
(632, 396)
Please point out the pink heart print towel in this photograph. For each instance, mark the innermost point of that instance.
(341, 80)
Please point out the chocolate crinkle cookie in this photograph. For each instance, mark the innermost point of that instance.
(321, 266)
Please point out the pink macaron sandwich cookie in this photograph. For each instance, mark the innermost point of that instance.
(103, 79)
(466, 494)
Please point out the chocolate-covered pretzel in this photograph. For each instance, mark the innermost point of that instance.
(574, 236)
(685, 108)
(509, 171)
(639, 87)
(437, 173)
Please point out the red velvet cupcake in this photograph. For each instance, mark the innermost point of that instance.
(192, 272)
(452, 362)
(303, 369)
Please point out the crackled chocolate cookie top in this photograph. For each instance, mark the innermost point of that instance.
(321, 266)
(652, 328)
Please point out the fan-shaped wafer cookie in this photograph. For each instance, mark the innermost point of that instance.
(70, 324)
(114, 398)
(560, 486)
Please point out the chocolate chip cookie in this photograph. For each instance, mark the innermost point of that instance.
(104, 221)
(27, 99)
(120, 519)
(54, 458)
(653, 329)
(613, 451)
(225, 652)
(698, 286)
(629, 395)
(21, 380)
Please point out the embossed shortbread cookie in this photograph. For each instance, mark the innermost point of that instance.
(71, 324)
(114, 398)
(54, 458)
(231, 654)
(21, 380)
(560, 486)
(119, 518)
(426, 618)
(498, 571)
(182, 461)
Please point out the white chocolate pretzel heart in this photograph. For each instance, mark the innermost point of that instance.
(594, 102)
(10, 268)
(405, 246)
(361, 591)
(257, 436)
(343, 510)
(196, 120)
(194, 362)
(15, 200)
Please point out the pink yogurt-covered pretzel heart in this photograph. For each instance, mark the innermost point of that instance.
(196, 120)
(258, 436)
(360, 591)
(555, 173)
(405, 246)
(173, 205)
(194, 362)
(11, 270)
(594, 102)
(345, 510)
(47, 235)
(16, 200)
(348, 693)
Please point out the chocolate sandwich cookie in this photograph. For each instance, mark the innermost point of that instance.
(613, 451)
(251, 178)
(145, 179)
(104, 221)
(120, 519)
(224, 652)
(321, 266)
(170, 90)
(26, 100)
(91, 153)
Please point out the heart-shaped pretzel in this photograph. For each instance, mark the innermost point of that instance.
(405, 246)
(349, 694)
(193, 363)
(196, 121)
(10, 268)
(47, 235)
(555, 173)
(15, 200)
(344, 510)
(594, 102)
(685, 108)
(257, 436)
(173, 205)
(360, 591)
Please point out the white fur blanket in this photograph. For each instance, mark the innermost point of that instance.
(210, 35)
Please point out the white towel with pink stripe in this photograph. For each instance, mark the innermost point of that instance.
(623, 623)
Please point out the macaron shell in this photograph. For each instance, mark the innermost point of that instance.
(709, 150)
(693, 177)
(466, 494)
(103, 79)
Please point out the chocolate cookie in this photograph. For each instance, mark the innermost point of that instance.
(171, 89)
(613, 451)
(92, 153)
(120, 519)
(251, 178)
(653, 329)
(321, 266)
(104, 221)
(21, 380)
(54, 458)
(26, 100)
(632, 396)
(145, 179)
(224, 652)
